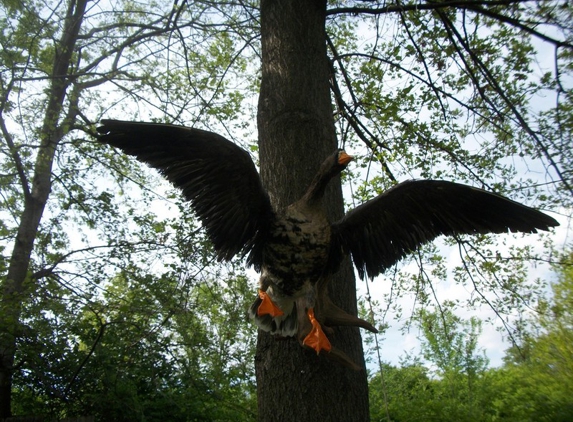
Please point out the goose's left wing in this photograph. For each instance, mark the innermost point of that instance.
(383, 230)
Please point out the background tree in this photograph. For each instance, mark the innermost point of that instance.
(535, 381)
(402, 393)
(450, 344)
(34, 190)
(67, 232)
(453, 381)
(477, 92)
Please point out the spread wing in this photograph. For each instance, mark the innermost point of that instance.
(215, 175)
(383, 230)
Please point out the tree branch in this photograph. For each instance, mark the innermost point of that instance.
(350, 116)
(88, 356)
(518, 24)
(15, 156)
(395, 8)
(499, 90)
(423, 60)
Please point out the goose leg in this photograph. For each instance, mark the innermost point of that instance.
(309, 329)
(316, 339)
(267, 306)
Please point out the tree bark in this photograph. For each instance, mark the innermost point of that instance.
(35, 199)
(296, 132)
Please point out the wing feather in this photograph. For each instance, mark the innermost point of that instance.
(215, 175)
(383, 230)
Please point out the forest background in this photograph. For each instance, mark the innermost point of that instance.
(112, 304)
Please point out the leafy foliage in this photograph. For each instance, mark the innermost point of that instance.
(147, 348)
(534, 384)
(118, 314)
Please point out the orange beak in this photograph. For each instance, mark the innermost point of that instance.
(344, 158)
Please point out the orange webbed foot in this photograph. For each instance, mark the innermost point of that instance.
(267, 306)
(316, 339)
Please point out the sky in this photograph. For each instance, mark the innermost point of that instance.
(395, 343)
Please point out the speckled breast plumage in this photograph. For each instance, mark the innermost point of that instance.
(297, 253)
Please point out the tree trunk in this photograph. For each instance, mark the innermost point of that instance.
(35, 199)
(296, 132)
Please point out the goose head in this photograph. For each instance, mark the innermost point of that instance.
(332, 166)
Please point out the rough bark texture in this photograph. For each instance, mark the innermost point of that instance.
(35, 199)
(296, 132)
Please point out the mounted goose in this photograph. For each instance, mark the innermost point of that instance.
(297, 249)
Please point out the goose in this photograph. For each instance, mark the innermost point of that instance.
(297, 250)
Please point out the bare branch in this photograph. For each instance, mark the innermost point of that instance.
(499, 90)
(350, 116)
(15, 156)
(396, 8)
(518, 24)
